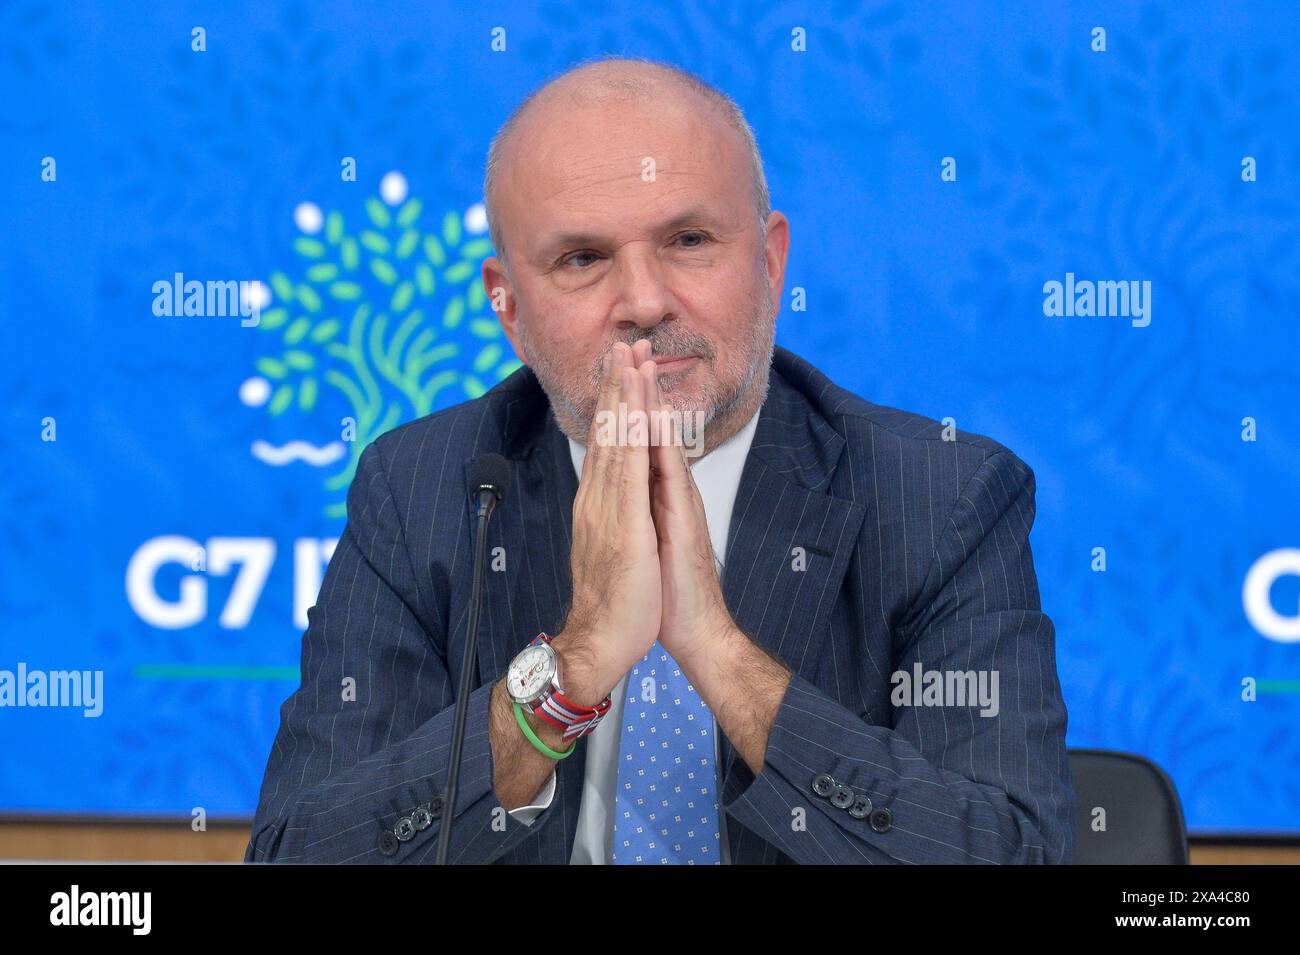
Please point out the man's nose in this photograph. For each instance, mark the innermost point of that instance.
(643, 297)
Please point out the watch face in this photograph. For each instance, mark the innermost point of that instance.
(530, 673)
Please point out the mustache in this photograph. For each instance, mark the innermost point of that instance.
(661, 343)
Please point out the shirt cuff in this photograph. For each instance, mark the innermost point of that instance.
(541, 802)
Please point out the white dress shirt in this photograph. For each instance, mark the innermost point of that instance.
(717, 475)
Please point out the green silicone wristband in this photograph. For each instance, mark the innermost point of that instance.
(532, 737)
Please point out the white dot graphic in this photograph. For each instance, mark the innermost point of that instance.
(393, 188)
(308, 217)
(476, 219)
(257, 295)
(254, 391)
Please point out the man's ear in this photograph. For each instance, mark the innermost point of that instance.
(501, 296)
(777, 247)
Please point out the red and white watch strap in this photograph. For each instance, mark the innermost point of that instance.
(562, 713)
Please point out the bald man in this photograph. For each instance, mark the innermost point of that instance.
(736, 614)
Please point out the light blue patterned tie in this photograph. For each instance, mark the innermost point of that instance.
(666, 810)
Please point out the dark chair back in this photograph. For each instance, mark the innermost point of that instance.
(1143, 819)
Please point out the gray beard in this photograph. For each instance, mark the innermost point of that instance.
(747, 398)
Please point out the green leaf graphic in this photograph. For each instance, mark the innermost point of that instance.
(388, 336)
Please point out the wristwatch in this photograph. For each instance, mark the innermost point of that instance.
(533, 681)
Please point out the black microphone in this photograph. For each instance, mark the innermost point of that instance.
(489, 480)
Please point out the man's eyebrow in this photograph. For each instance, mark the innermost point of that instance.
(694, 215)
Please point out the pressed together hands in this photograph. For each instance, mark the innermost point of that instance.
(642, 561)
(642, 569)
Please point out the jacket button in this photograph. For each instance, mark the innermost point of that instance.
(861, 807)
(823, 785)
(388, 843)
(843, 797)
(882, 820)
(422, 818)
(405, 829)
(435, 807)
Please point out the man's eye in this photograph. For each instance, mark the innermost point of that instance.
(571, 259)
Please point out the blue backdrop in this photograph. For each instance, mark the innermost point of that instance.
(172, 483)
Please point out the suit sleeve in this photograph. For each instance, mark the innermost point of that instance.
(358, 776)
(943, 783)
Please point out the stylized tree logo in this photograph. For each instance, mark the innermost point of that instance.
(393, 317)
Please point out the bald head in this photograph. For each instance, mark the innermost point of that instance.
(636, 86)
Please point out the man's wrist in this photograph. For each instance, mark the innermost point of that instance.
(549, 734)
(580, 676)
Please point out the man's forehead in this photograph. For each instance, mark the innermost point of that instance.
(590, 208)
(614, 153)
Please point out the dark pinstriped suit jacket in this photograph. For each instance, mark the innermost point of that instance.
(916, 550)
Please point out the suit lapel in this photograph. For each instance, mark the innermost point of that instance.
(790, 540)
